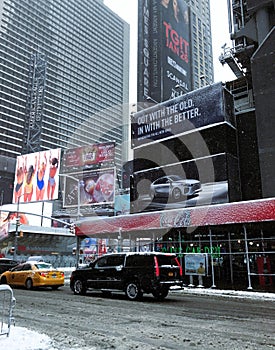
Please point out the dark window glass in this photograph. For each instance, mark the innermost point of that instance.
(140, 260)
(166, 260)
(101, 262)
(116, 260)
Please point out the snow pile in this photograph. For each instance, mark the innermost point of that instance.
(25, 339)
(229, 293)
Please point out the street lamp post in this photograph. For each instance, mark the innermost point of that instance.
(78, 214)
(17, 224)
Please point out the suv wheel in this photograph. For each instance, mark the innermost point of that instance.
(79, 287)
(133, 291)
(160, 293)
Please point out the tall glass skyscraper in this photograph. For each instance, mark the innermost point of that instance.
(201, 42)
(62, 62)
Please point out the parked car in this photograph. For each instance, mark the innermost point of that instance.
(7, 264)
(174, 187)
(37, 258)
(33, 274)
(132, 273)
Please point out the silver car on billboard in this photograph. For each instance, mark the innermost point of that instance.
(174, 187)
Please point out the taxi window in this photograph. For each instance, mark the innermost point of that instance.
(18, 268)
(43, 266)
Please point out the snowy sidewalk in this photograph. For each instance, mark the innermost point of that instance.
(228, 293)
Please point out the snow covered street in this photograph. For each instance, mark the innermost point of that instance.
(21, 338)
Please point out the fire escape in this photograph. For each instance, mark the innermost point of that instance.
(238, 57)
(249, 23)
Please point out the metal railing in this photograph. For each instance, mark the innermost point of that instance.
(7, 303)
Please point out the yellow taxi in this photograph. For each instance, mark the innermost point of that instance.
(33, 274)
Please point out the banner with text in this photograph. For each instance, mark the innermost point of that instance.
(164, 60)
(203, 107)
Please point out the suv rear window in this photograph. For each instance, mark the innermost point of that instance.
(166, 260)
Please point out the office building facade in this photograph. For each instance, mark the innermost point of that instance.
(201, 42)
(61, 63)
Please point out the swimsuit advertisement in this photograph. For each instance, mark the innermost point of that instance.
(36, 177)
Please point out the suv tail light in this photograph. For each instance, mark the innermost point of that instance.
(156, 267)
(179, 265)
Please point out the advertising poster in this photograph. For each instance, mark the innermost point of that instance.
(122, 204)
(4, 228)
(196, 264)
(199, 108)
(87, 156)
(90, 188)
(163, 49)
(33, 214)
(36, 176)
(180, 185)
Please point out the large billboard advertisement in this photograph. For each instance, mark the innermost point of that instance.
(90, 187)
(184, 184)
(88, 156)
(36, 176)
(163, 49)
(203, 107)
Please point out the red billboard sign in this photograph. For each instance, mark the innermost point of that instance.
(87, 156)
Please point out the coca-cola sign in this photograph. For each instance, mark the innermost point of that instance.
(180, 218)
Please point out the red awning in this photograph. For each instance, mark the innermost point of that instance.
(212, 215)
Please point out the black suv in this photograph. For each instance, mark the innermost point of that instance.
(7, 264)
(132, 273)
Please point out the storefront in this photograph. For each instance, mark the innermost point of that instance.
(237, 240)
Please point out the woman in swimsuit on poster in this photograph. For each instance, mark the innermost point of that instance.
(19, 180)
(28, 184)
(51, 181)
(41, 169)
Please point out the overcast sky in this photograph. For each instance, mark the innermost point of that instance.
(127, 9)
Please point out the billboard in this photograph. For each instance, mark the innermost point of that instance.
(33, 214)
(122, 204)
(89, 188)
(87, 156)
(196, 264)
(36, 176)
(163, 49)
(202, 107)
(184, 184)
